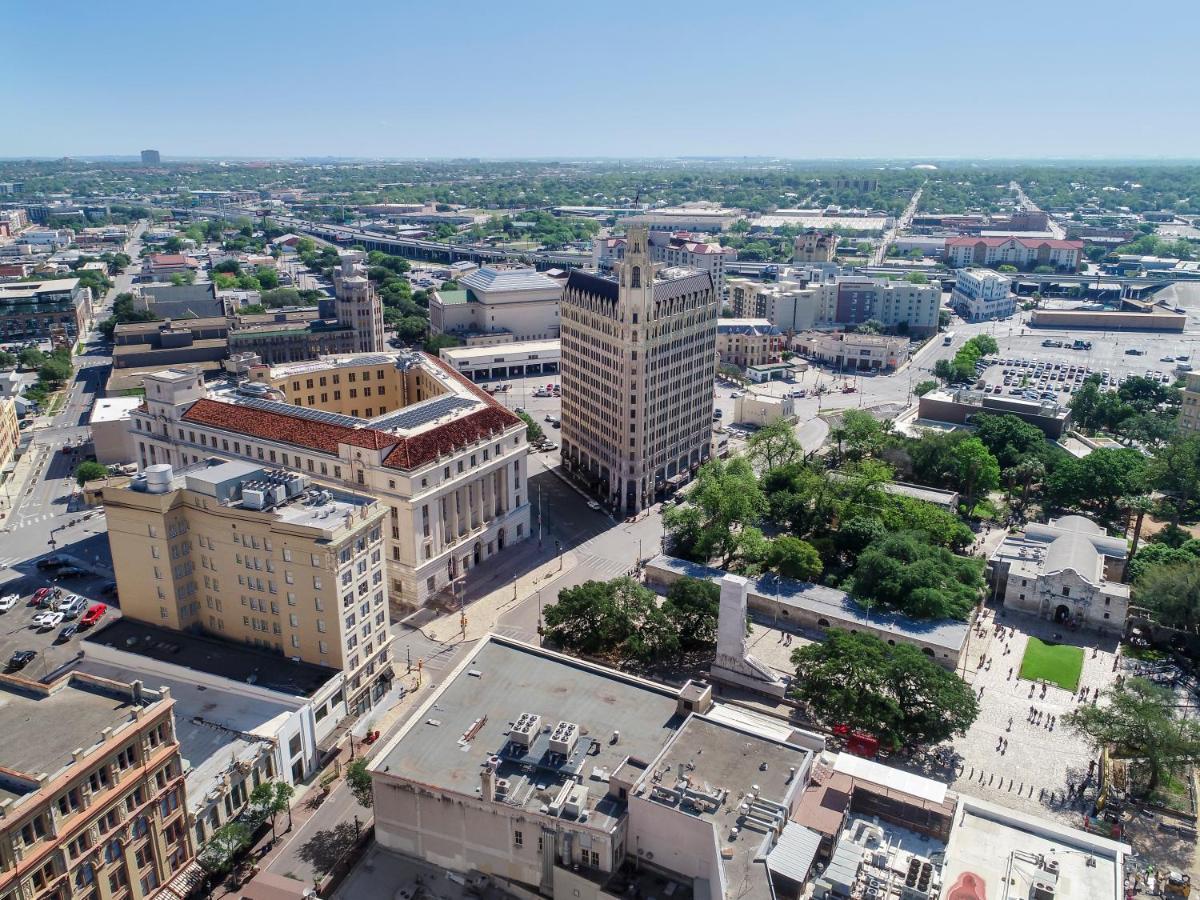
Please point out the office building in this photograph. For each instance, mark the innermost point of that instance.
(151, 158)
(110, 423)
(498, 302)
(446, 458)
(256, 555)
(92, 790)
(815, 246)
(959, 405)
(982, 294)
(638, 362)
(900, 305)
(1189, 411)
(849, 350)
(58, 311)
(680, 248)
(748, 342)
(789, 305)
(1068, 571)
(10, 431)
(1023, 252)
(357, 304)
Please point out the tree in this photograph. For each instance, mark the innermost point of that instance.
(1137, 506)
(1007, 269)
(1171, 589)
(438, 341)
(31, 358)
(895, 693)
(924, 387)
(181, 278)
(229, 266)
(774, 445)
(89, 471)
(268, 277)
(902, 572)
(1138, 721)
(1027, 471)
(281, 296)
(55, 370)
(1175, 470)
(1098, 481)
(224, 847)
(271, 798)
(533, 431)
(870, 326)
(7, 360)
(619, 616)
(794, 558)
(358, 779)
(692, 606)
(863, 434)
(917, 277)
(973, 470)
(726, 499)
(1010, 439)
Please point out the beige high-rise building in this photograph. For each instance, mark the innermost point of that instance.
(1189, 411)
(257, 555)
(815, 246)
(446, 457)
(357, 304)
(638, 362)
(92, 796)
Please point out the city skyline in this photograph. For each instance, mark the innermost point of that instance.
(546, 82)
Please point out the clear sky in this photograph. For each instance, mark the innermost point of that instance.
(506, 78)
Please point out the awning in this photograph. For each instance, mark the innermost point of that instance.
(792, 857)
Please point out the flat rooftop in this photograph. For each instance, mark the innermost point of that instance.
(226, 659)
(114, 409)
(993, 850)
(502, 681)
(40, 732)
(505, 352)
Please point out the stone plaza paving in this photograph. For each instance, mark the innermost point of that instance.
(1041, 757)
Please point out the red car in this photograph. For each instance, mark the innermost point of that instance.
(94, 614)
(38, 595)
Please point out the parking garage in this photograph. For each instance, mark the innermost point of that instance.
(499, 361)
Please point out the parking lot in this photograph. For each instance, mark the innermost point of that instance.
(19, 632)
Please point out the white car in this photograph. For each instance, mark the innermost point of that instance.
(48, 620)
(8, 601)
(66, 602)
(592, 504)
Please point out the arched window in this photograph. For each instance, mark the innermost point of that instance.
(636, 277)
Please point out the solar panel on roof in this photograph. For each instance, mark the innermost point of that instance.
(300, 412)
(429, 411)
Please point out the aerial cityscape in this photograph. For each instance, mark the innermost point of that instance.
(458, 464)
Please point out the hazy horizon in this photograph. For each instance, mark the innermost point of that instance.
(930, 80)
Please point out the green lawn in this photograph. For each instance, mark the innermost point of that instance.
(1057, 663)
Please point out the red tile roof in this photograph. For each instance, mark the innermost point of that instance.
(1027, 243)
(171, 259)
(404, 453)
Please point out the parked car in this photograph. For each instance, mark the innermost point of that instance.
(592, 504)
(39, 595)
(47, 620)
(8, 601)
(52, 562)
(71, 572)
(21, 659)
(76, 608)
(68, 632)
(93, 615)
(66, 602)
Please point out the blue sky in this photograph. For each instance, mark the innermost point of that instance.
(797, 79)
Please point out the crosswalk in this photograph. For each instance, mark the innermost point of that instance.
(603, 569)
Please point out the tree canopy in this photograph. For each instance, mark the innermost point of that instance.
(895, 692)
(903, 572)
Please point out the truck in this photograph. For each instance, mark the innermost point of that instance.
(1082, 345)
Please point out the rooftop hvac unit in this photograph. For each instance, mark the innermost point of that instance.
(525, 729)
(1041, 890)
(254, 498)
(564, 738)
(296, 484)
(276, 493)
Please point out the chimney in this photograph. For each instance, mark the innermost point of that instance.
(487, 780)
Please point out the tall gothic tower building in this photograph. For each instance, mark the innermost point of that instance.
(638, 362)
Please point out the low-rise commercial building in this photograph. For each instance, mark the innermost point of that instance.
(241, 716)
(164, 265)
(1068, 571)
(850, 350)
(514, 359)
(690, 217)
(748, 342)
(110, 424)
(445, 457)
(256, 555)
(1129, 318)
(92, 789)
(1022, 252)
(982, 294)
(752, 408)
(958, 406)
(497, 300)
(56, 310)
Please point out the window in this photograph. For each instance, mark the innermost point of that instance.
(294, 745)
(518, 839)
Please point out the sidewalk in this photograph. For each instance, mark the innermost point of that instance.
(17, 483)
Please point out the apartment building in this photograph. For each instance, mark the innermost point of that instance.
(255, 555)
(815, 246)
(357, 305)
(748, 342)
(1023, 252)
(1189, 412)
(445, 457)
(982, 294)
(787, 304)
(638, 362)
(809, 299)
(518, 303)
(151, 158)
(57, 310)
(92, 796)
